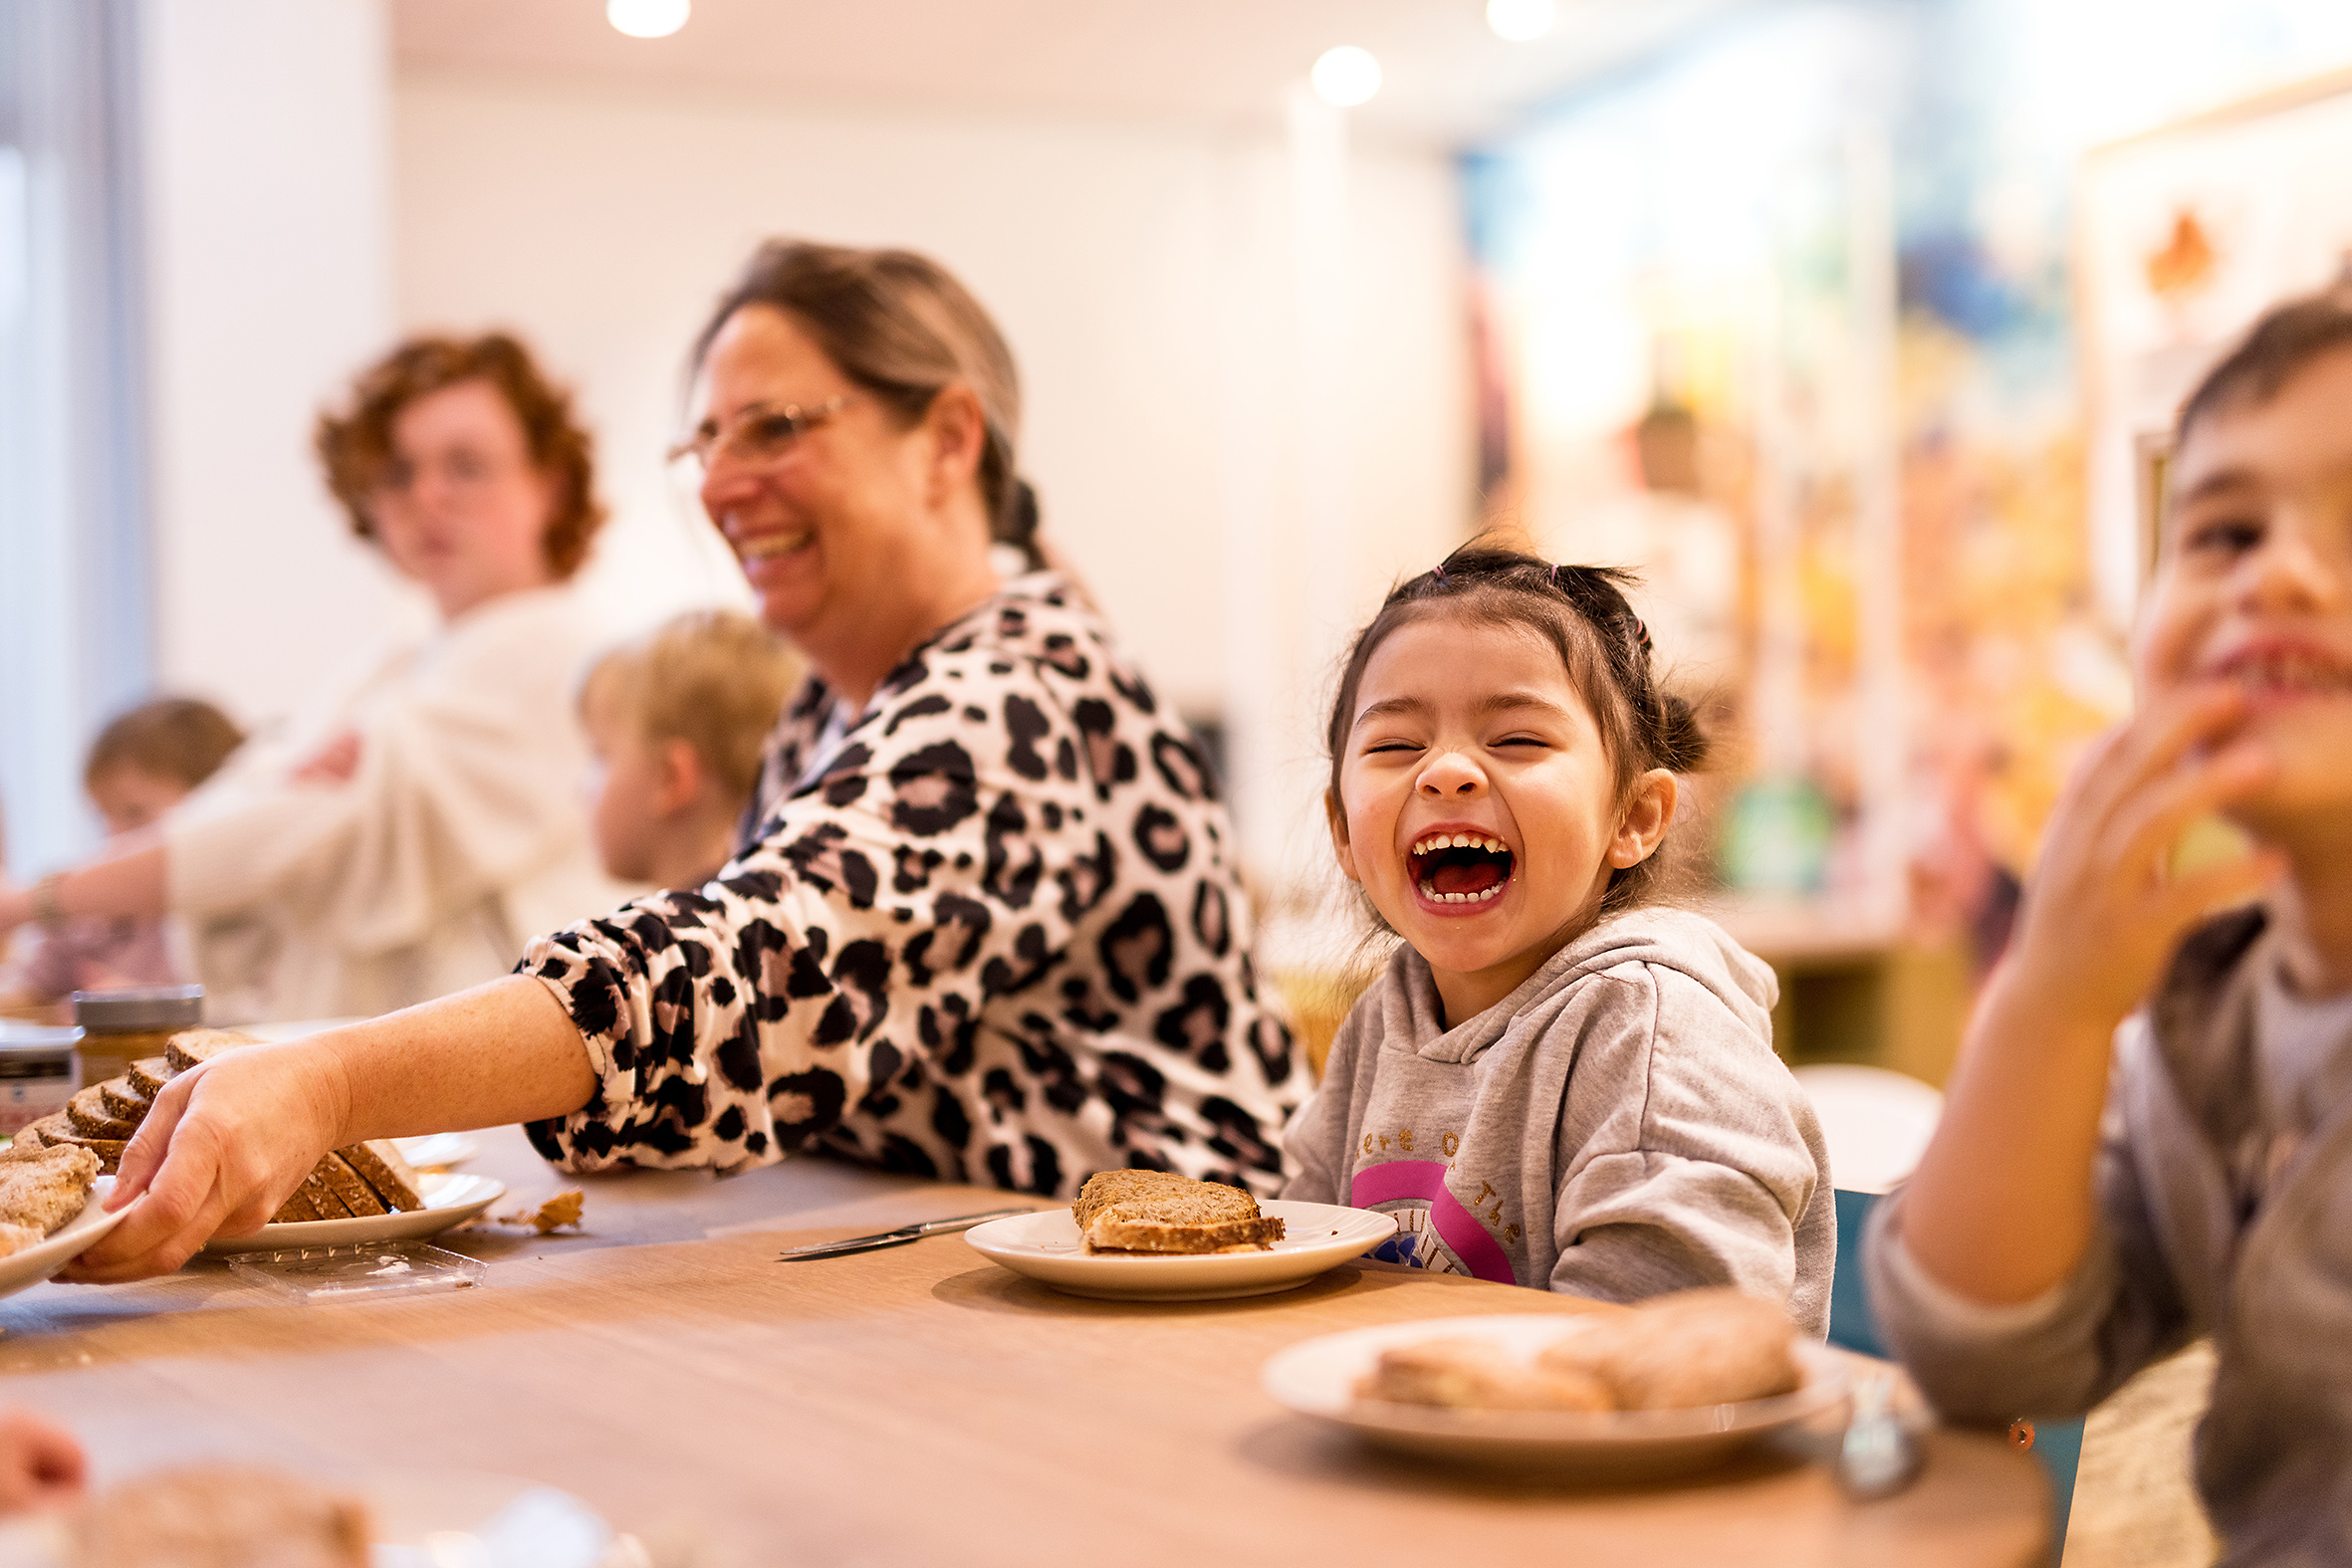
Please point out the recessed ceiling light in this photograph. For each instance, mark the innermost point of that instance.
(647, 18)
(1520, 20)
(1347, 76)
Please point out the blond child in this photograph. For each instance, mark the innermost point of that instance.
(2149, 1135)
(143, 764)
(1559, 1082)
(676, 721)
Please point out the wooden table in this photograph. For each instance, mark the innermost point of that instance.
(911, 1406)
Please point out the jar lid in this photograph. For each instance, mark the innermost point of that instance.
(140, 1007)
(36, 1039)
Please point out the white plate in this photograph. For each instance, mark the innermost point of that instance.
(449, 1201)
(25, 1269)
(1318, 1378)
(1316, 1237)
(437, 1149)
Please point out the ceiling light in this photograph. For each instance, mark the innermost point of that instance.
(1520, 20)
(1345, 77)
(647, 18)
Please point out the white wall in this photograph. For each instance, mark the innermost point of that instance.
(1144, 275)
(270, 264)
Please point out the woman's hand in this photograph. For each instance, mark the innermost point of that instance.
(223, 1147)
(41, 1466)
(2101, 919)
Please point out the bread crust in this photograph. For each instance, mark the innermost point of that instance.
(193, 1048)
(379, 1164)
(88, 1112)
(357, 1195)
(124, 1102)
(148, 1075)
(1715, 1346)
(1158, 1211)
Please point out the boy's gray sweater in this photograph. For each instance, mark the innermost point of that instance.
(2214, 1218)
(1617, 1127)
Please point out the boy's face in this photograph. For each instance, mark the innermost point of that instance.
(624, 794)
(129, 799)
(2254, 586)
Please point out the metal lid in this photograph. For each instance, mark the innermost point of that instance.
(36, 1038)
(140, 1007)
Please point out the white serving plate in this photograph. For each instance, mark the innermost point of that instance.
(25, 1269)
(1045, 1247)
(437, 1149)
(1318, 1379)
(449, 1201)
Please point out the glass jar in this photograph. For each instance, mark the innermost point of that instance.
(119, 1028)
(37, 1072)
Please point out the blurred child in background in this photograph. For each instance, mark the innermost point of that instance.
(2149, 1134)
(143, 762)
(676, 721)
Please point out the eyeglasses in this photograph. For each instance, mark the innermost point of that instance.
(758, 436)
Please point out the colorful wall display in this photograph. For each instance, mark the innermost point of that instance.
(1789, 320)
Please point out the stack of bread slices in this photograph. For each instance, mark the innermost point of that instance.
(366, 1178)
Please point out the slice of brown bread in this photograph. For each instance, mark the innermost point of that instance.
(322, 1195)
(107, 1149)
(27, 1139)
(382, 1166)
(218, 1513)
(189, 1047)
(125, 1102)
(90, 1118)
(47, 1191)
(1158, 1211)
(1114, 1232)
(345, 1184)
(147, 1076)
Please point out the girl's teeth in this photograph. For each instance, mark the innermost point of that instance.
(1431, 846)
(1430, 892)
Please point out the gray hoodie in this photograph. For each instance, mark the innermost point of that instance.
(1617, 1127)
(2221, 1211)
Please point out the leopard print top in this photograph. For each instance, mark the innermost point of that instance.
(988, 929)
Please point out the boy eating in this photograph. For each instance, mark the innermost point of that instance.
(2099, 1196)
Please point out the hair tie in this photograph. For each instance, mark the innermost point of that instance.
(1556, 575)
(1642, 634)
(1439, 571)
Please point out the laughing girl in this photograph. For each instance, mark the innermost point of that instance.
(1558, 1082)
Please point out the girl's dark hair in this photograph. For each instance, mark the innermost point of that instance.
(2289, 337)
(1582, 613)
(902, 327)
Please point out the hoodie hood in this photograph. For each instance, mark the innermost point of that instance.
(1674, 938)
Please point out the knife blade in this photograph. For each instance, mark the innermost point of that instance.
(897, 1237)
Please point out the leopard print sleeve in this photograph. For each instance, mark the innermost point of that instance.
(991, 932)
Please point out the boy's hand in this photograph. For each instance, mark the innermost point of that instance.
(2101, 920)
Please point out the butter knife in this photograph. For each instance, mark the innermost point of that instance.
(900, 1236)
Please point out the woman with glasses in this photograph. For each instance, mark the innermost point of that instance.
(406, 842)
(984, 922)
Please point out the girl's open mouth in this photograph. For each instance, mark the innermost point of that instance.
(1460, 868)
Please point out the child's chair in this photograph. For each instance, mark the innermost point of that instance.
(1877, 1124)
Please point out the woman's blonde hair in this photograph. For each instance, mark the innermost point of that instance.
(900, 326)
(715, 679)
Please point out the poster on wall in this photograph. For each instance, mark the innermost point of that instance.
(2185, 234)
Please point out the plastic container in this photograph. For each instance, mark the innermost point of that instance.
(119, 1028)
(38, 1073)
(358, 1269)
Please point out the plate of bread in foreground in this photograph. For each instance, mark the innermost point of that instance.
(52, 1207)
(366, 1193)
(1673, 1385)
(1148, 1235)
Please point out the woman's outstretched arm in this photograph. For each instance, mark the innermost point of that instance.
(228, 1142)
(133, 882)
